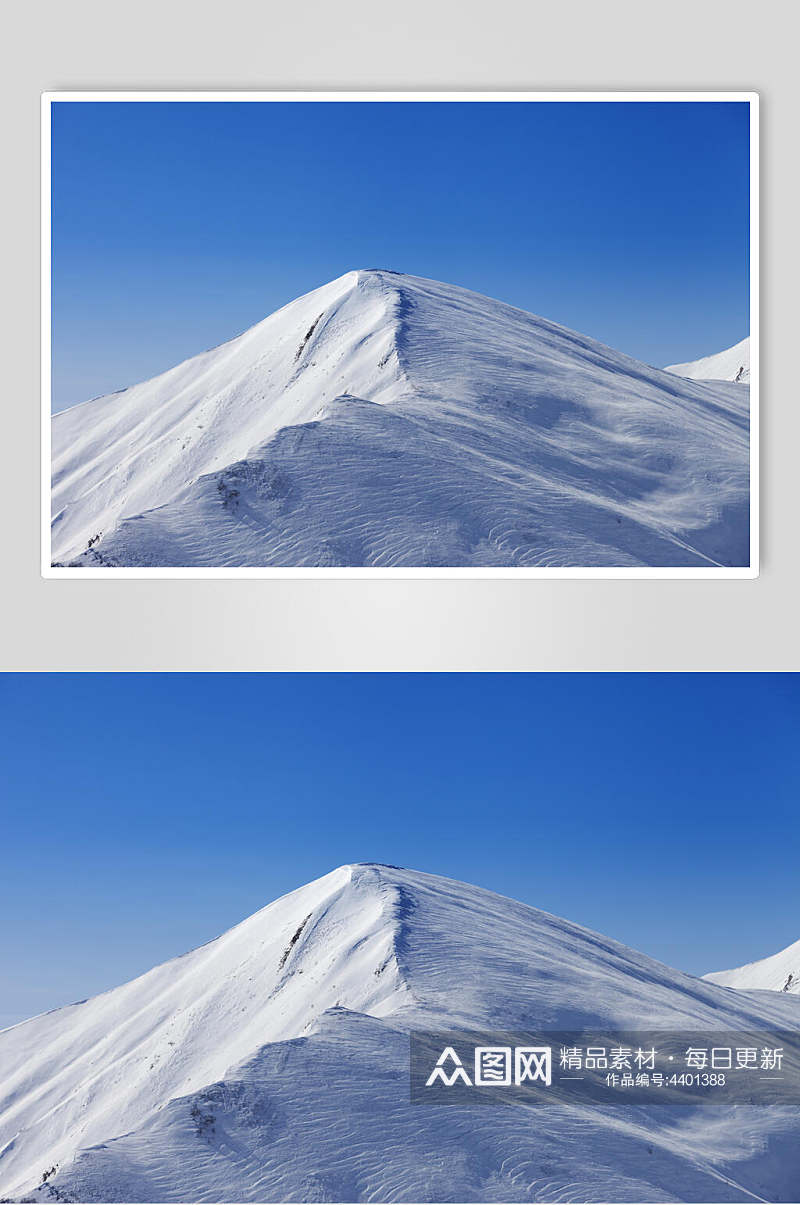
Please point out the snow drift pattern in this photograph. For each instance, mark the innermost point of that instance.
(272, 1065)
(386, 420)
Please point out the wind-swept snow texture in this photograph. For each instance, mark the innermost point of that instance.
(733, 364)
(778, 973)
(272, 1065)
(390, 421)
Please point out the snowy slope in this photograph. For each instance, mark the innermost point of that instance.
(778, 973)
(733, 364)
(387, 420)
(272, 1064)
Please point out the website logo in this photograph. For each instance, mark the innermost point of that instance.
(494, 1066)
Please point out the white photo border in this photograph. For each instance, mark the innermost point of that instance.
(723, 572)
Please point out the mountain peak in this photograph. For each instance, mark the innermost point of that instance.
(279, 1051)
(474, 434)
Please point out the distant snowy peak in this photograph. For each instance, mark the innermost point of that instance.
(730, 365)
(778, 973)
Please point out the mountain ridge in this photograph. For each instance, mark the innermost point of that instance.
(387, 420)
(321, 987)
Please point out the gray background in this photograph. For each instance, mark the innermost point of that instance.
(401, 624)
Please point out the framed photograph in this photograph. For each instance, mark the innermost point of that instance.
(387, 334)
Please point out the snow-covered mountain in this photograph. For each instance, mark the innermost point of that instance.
(385, 420)
(272, 1065)
(778, 973)
(733, 364)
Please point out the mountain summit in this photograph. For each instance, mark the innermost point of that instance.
(272, 1065)
(385, 420)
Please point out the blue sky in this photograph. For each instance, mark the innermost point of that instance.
(144, 814)
(177, 226)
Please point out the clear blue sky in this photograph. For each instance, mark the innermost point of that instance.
(176, 226)
(145, 814)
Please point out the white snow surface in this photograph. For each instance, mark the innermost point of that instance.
(733, 364)
(272, 1065)
(778, 973)
(386, 420)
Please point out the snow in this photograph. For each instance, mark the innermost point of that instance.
(386, 420)
(272, 1064)
(733, 364)
(778, 973)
